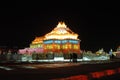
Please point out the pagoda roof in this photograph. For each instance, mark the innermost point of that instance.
(61, 31)
(38, 40)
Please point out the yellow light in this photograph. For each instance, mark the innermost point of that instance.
(61, 25)
(38, 40)
(61, 32)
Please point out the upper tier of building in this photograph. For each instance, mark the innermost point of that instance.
(60, 32)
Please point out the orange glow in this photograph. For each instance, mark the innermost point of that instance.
(60, 39)
(38, 40)
(61, 32)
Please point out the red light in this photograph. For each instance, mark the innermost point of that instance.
(118, 70)
(79, 77)
(97, 74)
(110, 72)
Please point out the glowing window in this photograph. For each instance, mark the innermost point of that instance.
(49, 46)
(65, 46)
(57, 46)
(75, 47)
(70, 46)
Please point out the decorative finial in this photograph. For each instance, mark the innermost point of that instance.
(61, 24)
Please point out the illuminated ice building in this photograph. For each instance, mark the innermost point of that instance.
(58, 44)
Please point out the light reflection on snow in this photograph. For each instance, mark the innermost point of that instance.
(5, 68)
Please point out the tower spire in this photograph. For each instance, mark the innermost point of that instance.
(61, 25)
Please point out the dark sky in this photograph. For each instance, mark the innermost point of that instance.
(97, 23)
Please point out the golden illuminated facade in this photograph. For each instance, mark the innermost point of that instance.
(37, 42)
(60, 40)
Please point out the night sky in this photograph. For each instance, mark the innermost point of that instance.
(97, 23)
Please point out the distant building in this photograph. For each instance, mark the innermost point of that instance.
(117, 53)
(118, 49)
